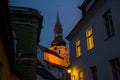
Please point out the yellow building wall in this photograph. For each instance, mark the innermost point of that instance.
(6, 73)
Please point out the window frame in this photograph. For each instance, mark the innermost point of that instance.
(108, 21)
(78, 48)
(81, 75)
(94, 72)
(115, 66)
(89, 38)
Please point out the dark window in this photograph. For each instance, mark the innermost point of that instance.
(63, 76)
(94, 72)
(59, 51)
(108, 23)
(115, 68)
(66, 49)
(55, 48)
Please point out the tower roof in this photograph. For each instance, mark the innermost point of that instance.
(58, 40)
(58, 20)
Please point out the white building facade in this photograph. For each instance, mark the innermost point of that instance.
(94, 42)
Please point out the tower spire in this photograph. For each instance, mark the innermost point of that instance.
(58, 20)
(58, 40)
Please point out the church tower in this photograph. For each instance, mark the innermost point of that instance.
(58, 40)
(58, 45)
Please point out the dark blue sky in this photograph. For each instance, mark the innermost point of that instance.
(68, 12)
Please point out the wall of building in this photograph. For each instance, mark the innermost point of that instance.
(103, 51)
(26, 48)
(60, 50)
(5, 72)
(40, 78)
(26, 25)
(26, 38)
(53, 68)
(27, 71)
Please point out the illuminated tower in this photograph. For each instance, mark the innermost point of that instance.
(58, 46)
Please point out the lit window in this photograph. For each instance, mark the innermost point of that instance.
(89, 36)
(72, 77)
(108, 23)
(80, 75)
(115, 68)
(78, 49)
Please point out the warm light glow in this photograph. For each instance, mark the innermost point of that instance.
(89, 36)
(81, 75)
(61, 50)
(69, 70)
(76, 73)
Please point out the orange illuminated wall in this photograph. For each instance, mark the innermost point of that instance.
(56, 60)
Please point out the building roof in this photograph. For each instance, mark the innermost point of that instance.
(49, 51)
(39, 63)
(85, 2)
(58, 66)
(46, 74)
(58, 40)
(81, 23)
(25, 12)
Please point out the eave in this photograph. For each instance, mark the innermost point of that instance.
(91, 12)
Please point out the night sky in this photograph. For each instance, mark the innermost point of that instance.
(69, 15)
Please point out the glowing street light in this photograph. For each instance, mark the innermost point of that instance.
(69, 70)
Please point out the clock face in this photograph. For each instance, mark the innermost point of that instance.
(56, 34)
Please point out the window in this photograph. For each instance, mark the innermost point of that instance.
(72, 77)
(94, 72)
(55, 48)
(59, 51)
(108, 23)
(14, 41)
(80, 75)
(89, 37)
(63, 76)
(115, 68)
(78, 49)
(66, 49)
(1, 68)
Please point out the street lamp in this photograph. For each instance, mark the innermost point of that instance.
(69, 71)
(69, 74)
